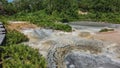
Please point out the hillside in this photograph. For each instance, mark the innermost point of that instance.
(47, 24)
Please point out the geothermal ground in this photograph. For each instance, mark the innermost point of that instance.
(84, 47)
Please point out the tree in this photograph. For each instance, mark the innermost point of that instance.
(99, 5)
(85, 5)
(28, 5)
(61, 6)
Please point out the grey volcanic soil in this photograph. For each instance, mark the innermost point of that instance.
(83, 59)
(108, 65)
(79, 60)
(69, 50)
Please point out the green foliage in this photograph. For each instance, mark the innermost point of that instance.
(21, 5)
(46, 12)
(56, 26)
(102, 17)
(4, 19)
(64, 20)
(66, 6)
(99, 5)
(106, 30)
(85, 5)
(15, 55)
(28, 5)
(44, 20)
(21, 56)
(14, 37)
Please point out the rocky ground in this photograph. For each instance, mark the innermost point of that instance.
(67, 49)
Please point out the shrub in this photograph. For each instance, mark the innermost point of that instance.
(106, 30)
(15, 55)
(14, 37)
(64, 20)
(40, 18)
(56, 26)
(21, 56)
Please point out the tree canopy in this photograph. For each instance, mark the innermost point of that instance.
(66, 6)
(100, 5)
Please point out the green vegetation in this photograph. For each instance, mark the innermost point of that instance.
(51, 11)
(106, 30)
(21, 56)
(16, 55)
(48, 14)
(100, 10)
(42, 19)
(102, 17)
(14, 37)
(45, 13)
(99, 5)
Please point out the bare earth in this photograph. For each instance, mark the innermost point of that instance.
(20, 25)
(113, 36)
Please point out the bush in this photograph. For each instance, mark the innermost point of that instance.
(106, 30)
(14, 37)
(40, 18)
(64, 21)
(63, 27)
(15, 55)
(21, 56)
(4, 19)
(56, 26)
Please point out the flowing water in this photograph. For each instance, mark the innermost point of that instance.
(70, 50)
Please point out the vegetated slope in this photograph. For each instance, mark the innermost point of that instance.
(65, 10)
(48, 14)
(99, 5)
(13, 54)
(21, 56)
(100, 10)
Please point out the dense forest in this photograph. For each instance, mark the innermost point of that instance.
(63, 10)
(60, 6)
(98, 10)
(48, 14)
